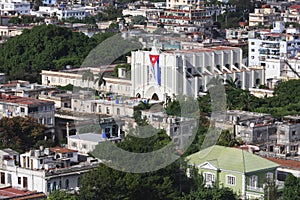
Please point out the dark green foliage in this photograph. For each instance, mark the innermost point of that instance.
(286, 100)
(214, 193)
(42, 47)
(173, 108)
(291, 188)
(110, 13)
(166, 183)
(138, 20)
(22, 133)
(61, 195)
(227, 139)
(271, 190)
(24, 20)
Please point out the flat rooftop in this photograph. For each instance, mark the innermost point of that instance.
(4, 98)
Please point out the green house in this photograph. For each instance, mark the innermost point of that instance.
(245, 173)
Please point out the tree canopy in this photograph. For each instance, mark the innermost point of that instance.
(22, 133)
(46, 47)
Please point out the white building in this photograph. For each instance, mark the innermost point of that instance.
(292, 14)
(42, 111)
(187, 72)
(271, 49)
(263, 16)
(87, 142)
(13, 7)
(63, 13)
(43, 170)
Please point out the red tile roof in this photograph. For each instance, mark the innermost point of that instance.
(61, 150)
(19, 194)
(23, 100)
(285, 163)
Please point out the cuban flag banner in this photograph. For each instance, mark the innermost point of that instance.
(154, 59)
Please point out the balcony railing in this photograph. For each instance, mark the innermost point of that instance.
(256, 189)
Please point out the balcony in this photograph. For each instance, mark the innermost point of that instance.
(255, 189)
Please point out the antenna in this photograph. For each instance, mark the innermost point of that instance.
(291, 68)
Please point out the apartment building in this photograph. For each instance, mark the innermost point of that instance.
(292, 14)
(271, 50)
(264, 16)
(43, 170)
(13, 7)
(42, 111)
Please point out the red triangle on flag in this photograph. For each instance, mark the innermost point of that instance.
(153, 59)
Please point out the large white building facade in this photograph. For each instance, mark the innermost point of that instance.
(271, 49)
(187, 72)
(13, 7)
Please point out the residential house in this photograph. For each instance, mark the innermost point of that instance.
(13, 7)
(44, 170)
(272, 49)
(245, 173)
(264, 16)
(42, 111)
(87, 142)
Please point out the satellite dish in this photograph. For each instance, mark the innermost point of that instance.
(252, 124)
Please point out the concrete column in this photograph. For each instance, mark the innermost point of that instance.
(244, 80)
(184, 79)
(253, 79)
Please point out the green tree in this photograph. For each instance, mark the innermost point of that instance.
(213, 193)
(22, 133)
(139, 20)
(61, 195)
(43, 47)
(271, 190)
(165, 183)
(232, 82)
(291, 188)
(99, 79)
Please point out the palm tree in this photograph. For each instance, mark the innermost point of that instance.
(100, 80)
(88, 76)
(232, 83)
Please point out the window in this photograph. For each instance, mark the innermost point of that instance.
(252, 43)
(19, 180)
(107, 110)
(2, 174)
(54, 185)
(70, 155)
(67, 184)
(78, 182)
(252, 57)
(269, 176)
(230, 180)
(22, 110)
(252, 50)
(118, 111)
(41, 161)
(253, 181)
(84, 146)
(293, 133)
(25, 182)
(209, 177)
(74, 144)
(9, 178)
